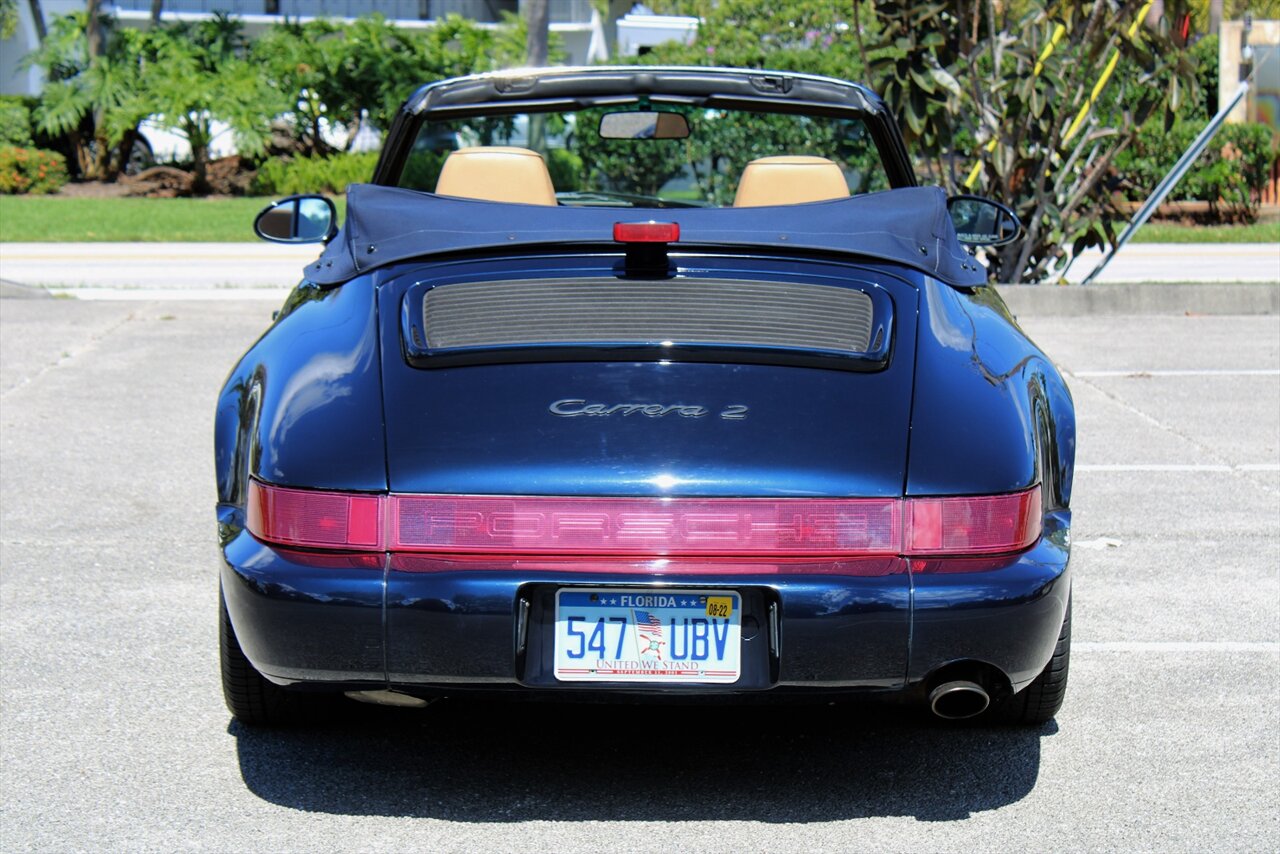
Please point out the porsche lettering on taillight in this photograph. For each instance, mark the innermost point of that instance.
(655, 527)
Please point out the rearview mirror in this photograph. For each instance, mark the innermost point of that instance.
(298, 219)
(981, 222)
(643, 125)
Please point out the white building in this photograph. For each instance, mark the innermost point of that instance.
(586, 37)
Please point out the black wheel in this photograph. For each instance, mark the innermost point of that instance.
(141, 157)
(1040, 701)
(252, 698)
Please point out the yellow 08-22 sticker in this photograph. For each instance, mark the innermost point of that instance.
(719, 606)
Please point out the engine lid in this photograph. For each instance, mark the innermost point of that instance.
(611, 425)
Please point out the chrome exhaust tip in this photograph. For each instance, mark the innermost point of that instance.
(389, 698)
(958, 700)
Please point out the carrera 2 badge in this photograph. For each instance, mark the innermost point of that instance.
(573, 407)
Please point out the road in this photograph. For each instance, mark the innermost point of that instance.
(113, 735)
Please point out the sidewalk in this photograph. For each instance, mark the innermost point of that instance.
(1184, 262)
(157, 270)
(267, 271)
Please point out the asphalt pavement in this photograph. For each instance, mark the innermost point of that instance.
(113, 735)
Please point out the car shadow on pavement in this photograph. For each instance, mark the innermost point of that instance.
(498, 762)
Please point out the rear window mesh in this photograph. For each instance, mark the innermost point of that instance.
(608, 311)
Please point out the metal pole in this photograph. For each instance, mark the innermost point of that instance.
(1170, 181)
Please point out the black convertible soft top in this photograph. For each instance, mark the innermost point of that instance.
(908, 226)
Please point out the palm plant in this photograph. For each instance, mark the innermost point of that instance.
(199, 76)
(95, 102)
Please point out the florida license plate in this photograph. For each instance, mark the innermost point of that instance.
(678, 636)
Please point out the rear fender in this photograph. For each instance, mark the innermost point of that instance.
(991, 414)
(304, 405)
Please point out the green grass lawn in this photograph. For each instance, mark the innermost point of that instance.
(1160, 232)
(47, 219)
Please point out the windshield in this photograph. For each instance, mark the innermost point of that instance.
(671, 156)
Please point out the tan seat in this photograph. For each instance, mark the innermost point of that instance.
(789, 180)
(497, 174)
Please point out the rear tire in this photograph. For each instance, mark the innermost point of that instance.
(251, 697)
(1040, 701)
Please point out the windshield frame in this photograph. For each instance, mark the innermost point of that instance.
(564, 89)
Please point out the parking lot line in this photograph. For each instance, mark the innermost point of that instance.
(1176, 646)
(1198, 372)
(1177, 467)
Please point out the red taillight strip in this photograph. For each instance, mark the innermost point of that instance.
(864, 567)
(314, 519)
(645, 527)
(973, 525)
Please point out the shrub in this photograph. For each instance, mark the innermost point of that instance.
(565, 168)
(15, 121)
(1229, 175)
(31, 170)
(280, 177)
(1205, 54)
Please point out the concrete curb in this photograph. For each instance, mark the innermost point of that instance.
(17, 290)
(1146, 298)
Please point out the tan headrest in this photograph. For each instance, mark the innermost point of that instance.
(497, 174)
(789, 181)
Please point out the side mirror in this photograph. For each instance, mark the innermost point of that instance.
(298, 219)
(643, 125)
(982, 222)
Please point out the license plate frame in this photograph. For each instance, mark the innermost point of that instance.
(696, 639)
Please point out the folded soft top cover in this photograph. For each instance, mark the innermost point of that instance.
(908, 226)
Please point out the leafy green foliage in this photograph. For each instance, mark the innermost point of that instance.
(1033, 152)
(31, 170)
(787, 35)
(8, 18)
(302, 61)
(566, 168)
(199, 73)
(195, 75)
(15, 121)
(334, 71)
(625, 165)
(1229, 175)
(1205, 55)
(279, 177)
(95, 103)
(913, 64)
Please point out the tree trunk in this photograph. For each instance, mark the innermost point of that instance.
(37, 15)
(199, 170)
(535, 46)
(198, 138)
(80, 150)
(124, 152)
(157, 9)
(93, 28)
(102, 152)
(1215, 16)
(535, 55)
(93, 33)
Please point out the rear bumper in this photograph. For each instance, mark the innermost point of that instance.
(441, 625)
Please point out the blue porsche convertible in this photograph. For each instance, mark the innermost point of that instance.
(623, 383)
